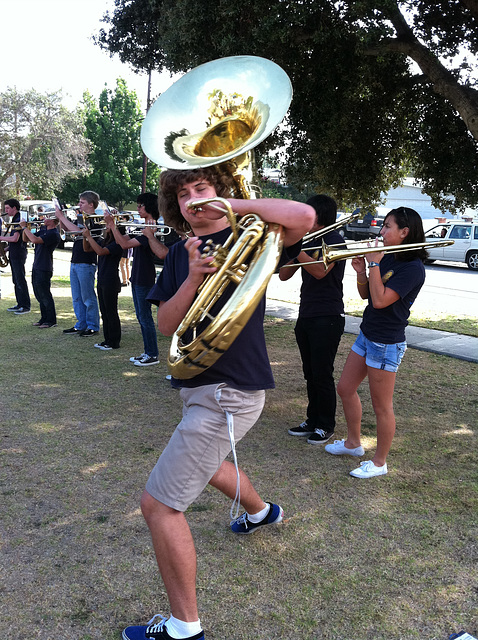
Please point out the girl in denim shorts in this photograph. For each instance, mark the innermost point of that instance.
(391, 286)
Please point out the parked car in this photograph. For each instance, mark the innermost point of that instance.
(363, 228)
(465, 238)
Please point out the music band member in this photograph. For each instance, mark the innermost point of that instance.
(82, 273)
(17, 254)
(108, 283)
(45, 240)
(394, 281)
(143, 275)
(320, 324)
(231, 392)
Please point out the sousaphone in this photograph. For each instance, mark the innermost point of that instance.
(216, 114)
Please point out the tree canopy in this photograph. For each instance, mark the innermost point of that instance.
(381, 88)
(41, 144)
(113, 125)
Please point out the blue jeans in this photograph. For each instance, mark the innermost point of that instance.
(41, 281)
(145, 319)
(85, 303)
(20, 283)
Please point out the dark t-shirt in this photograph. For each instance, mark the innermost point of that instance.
(43, 260)
(79, 255)
(108, 265)
(143, 271)
(387, 325)
(17, 250)
(245, 365)
(322, 297)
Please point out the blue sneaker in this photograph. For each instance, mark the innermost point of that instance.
(245, 526)
(155, 631)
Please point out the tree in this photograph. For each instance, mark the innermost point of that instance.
(41, 144)
(362, 116)
(113, 126)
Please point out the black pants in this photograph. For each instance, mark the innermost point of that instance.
(108, 300)
(318, 340)
(20, 282)
(41, 281)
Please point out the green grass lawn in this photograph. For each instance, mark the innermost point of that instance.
(390, 558)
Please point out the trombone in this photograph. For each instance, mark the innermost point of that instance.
(331, 254)
(137, 228)
(336, 225)
(73, 236)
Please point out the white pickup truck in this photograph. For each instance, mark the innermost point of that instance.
(465, 242)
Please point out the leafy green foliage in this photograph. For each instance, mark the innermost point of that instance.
(113, 126)
(361, 116)
(42, 144)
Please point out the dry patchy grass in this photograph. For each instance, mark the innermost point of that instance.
(390, 558)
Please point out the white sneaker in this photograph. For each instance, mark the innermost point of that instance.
(146, 361)
(368, 469)
(339, 449)
(134, 358)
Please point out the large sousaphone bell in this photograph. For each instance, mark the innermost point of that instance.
(216, 114)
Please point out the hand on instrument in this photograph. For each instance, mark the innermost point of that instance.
(199, 267)
(358, 264)
(149, 230)
(86, 233)
(109, 221)
(214, 211)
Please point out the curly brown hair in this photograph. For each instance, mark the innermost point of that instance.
(172, 180)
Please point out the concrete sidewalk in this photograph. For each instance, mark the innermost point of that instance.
(453, 345)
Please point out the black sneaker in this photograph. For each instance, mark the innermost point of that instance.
(156, 631)
(320, 436)
(146, 361)
(88, 332)
(245, 526)
(15, 308)
(72, 331)
(21, 310)
(301, 430)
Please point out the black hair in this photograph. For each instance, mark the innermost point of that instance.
(150, 201)
(409, 218)
(325, 209)
(13, 202)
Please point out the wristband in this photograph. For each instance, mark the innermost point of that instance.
(366, 282)
(373, 264)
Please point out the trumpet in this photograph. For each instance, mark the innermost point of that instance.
(73, 236)
(137, 228)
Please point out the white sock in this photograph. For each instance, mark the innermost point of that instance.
(180, 629)
(257, 517)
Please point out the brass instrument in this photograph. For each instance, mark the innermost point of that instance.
(331, 254)
(336, 225)
(241, 99)
(136, 228)
(73, 236)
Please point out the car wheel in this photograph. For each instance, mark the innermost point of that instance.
(472, 260)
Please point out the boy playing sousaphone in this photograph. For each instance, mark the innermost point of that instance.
(226, 398)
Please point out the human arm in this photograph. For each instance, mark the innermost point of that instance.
(124, 241)
(64, 222)
(90, 244)
(158, 248)
(171, 312)
(28, 236)
(13, 238)
(296, 218)
(380, 295)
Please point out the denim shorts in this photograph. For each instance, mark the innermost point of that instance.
(378, 355)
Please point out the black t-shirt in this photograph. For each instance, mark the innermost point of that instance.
(108, 265)
(322, 297)
(17, 250)
(43, 259)
(245, 364)
(143, 271)
(387, 325)
(79, 255)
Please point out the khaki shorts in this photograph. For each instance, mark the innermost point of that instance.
(201, 441)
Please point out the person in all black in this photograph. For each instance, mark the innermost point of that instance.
(143, 275)
(17, 254)
(320, 324)
(108, 283)
(45, 240)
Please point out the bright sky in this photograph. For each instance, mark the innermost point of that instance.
(46, 45)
